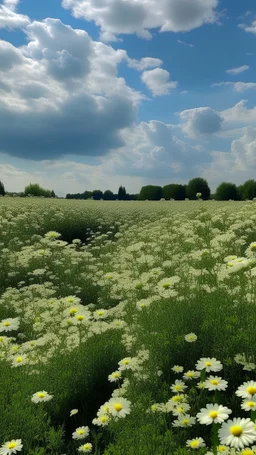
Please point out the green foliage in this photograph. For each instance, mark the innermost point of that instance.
(226, 191)
(174, 191)
(150, 192)
(121, 193)
(248, 189)
(2, 190)
(34, 189)
(97, 195)
(198, 185)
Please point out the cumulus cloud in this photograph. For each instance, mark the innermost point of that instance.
(158, 81)
(249, 28)
(62, 94)
(239, 70)
(144, 63)
(9, 18)
(240, 114)
(116, 17)
(237, 86)
(201, 121)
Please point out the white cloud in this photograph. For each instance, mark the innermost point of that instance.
(201, 121)
(240, 114)
(249, 28)
(239, 70)
(116, 17)
(237, 86)
(185, 44)
(158, 81)
(144, 63)
(9, 18)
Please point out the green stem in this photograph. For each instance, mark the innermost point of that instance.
(215, 439)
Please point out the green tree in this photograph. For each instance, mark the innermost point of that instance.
(121, 193)
(108, 195)
(97, 195)
(198, 185)
(151, 192)
(226, 191)
(35, 189)
(248, 189)
(2, 190)
(174, 191)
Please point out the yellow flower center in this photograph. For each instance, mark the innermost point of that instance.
(153, 407)
(221, 448)
(247, 452)
(251, 390)
(80, 317)
(213, 414)
(118, 407)
(194, 444)
(177, 387)
(72, 311)
(214, 382)
(236, 430)
(251, 404)
(100, 313)
(19, 359)
(190, 374)
(41, 395)
(208, 364)
(177, 398)
(116, 375)
(180, 409)
(80, 432)
(70, 300)
(185, 422)
(126, 362)
(12, 445)
(166, 285)
(104, 419)
(86, 446)
(7, 324)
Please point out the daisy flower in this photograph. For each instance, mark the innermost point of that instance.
(184, 421)
(237, 433)
(248, 405)
(119, 407)
(247, 390)
(213, 413)
(7, 325)
(80, 433)
(181, 409)
(177, 369)
(195, 443)
(115, 376)
(41, 396)
(190, 337)
(191, 374)
(85, 448)
(102, 420)
(209, 364)
(178, 386)
(215, 383)
(11, 447)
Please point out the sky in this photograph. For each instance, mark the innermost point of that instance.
(95, 94)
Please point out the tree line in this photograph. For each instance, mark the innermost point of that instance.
(194, 189)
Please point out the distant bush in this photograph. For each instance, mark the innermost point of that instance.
(174, 191)
(226, 191)
(151, 192)
(198, 185)
(34, 189)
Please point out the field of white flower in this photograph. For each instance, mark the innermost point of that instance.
(127, 328)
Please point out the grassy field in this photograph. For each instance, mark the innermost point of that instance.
(127, 328)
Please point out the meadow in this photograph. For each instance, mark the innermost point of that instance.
(127, 328)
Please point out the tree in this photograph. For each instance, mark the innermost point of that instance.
(226, 191)
(174, 191)
(34, 189)
(198, 185)
(108, 195)
(121, 193)
(151, 192)
(2, 190)
(97, 195)
(248, 189)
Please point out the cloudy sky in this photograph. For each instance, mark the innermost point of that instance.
(99, 93)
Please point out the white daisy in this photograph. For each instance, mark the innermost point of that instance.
(215, 383)
(178, 386)
(213, 413)
(248, 405)
(177, 369)
(247, 390)
(119, 407)
(191, 374)
(180, 409)
(237, 433)
(85, 448)
(102, 420)
(41, 396)
(80, 433)
(7, 325)
(184, 421)
(11, 447)
(195, 443)
(115, 376)
(190, 337)
(209, 364)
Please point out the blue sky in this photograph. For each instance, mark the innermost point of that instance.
(126, 92)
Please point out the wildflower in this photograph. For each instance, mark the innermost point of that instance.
(80, 433)
(195, 443)
(7, 325)
(19, 360)
(41, 396)
(184, 421)
(101, 420)
(73, 412)
(52, 235)
(85, 448)
(10, 447)
(247, 390)
(209, 364)
(190, 337)
(237, 433)
(191, 374)
(119, 407)
(178, 386)
(115, 376)
(180, 398)
(181, 409)
(215, 383)
(213, 413)
(177, 369)
(248, 405)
